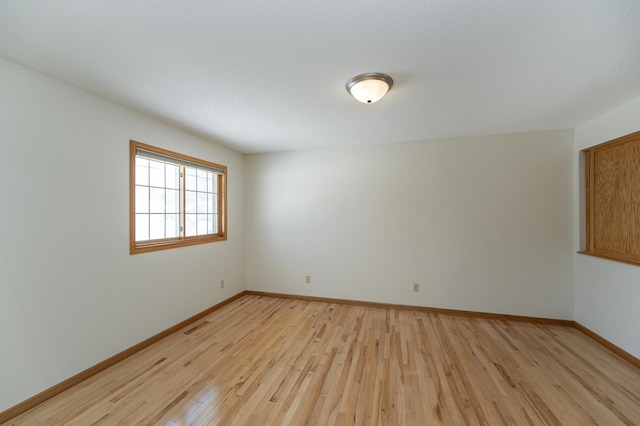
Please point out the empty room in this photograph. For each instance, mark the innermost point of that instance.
(295, 212)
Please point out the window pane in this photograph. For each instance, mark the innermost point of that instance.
(202, 202)
(156, 200)
(156, 226)
(212, 178)
(142, 199)
(190, 178)
(202, 224)
(210, 203)
(190, 225)
(171, 224)
(190, 202)
(142, 171)
(142, 227)
(156, 173)
(202, 180)
(172, 201)
(211, 225)
(215, 204)
(172, 174)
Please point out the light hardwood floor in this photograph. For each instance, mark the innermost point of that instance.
(264, 360)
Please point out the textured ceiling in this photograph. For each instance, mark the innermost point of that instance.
(270, 75)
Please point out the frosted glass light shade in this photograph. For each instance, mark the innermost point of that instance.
(369, 88)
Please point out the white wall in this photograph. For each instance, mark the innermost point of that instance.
(482, 223)
(607, 298)
(70, 293)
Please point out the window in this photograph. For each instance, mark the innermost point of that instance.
(175, 200)
(612, 199)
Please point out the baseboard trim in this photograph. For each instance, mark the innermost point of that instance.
(607, 344)
(35, 400)
(537, 320)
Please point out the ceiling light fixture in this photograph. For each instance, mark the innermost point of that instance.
(369, 88)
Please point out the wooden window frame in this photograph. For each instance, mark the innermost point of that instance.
(624, 233)
(136, 247)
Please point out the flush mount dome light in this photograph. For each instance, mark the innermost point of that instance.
(369, 88)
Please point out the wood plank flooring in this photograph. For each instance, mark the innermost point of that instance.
(264, 360)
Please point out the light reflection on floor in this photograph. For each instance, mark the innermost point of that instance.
(205, 401)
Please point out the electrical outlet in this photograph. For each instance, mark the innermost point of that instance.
(308, 279)
(416, 287)
(221, 283)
